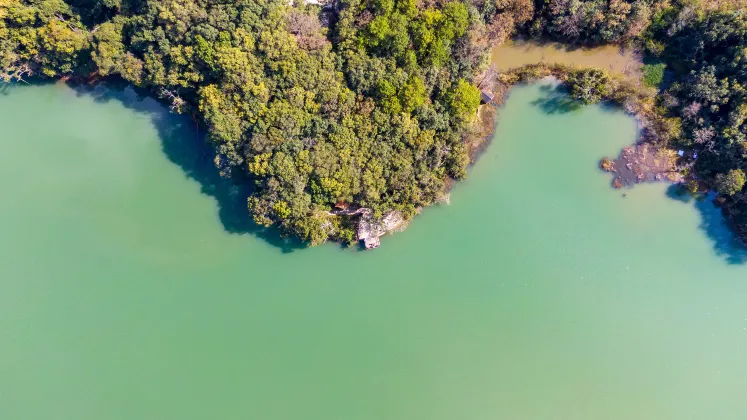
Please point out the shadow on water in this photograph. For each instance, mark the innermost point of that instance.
(183, 145)
(712, 223)
(555, 100)
(530, 42)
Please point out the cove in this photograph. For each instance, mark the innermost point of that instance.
(131, 288)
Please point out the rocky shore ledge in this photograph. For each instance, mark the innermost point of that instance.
(370, 229)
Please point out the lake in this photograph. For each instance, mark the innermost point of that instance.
(133, 287)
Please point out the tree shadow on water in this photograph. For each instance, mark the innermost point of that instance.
(713, 224)
(555, 100)
(5, 89)
(184, 145)
(527, 43)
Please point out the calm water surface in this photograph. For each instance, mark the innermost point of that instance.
(128, 290)
(518, 53)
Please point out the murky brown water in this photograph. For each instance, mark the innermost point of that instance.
(514, 54)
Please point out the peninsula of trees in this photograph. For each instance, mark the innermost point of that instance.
(369, 103)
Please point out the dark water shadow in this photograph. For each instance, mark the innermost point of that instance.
(556, 100)
(608, 106)
(724, 240)
(528, 42)
(185, 145)
(677, 193)
(568, 45)
(6, 88)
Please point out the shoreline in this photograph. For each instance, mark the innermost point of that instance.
(648, 159)
(477, 138)
(480, 134)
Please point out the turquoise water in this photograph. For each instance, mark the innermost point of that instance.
(131, 286)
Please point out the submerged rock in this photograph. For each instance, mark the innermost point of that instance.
(607, 165)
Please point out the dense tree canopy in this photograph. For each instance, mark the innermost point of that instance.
(593, 21)
(707, 46)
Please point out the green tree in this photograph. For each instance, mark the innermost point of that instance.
(731, 182)
(108, 47)
(413, 94)
(588, 85)
(388, 97)
(464, 100)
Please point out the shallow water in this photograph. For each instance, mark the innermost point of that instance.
(540, 293)
(518, 53)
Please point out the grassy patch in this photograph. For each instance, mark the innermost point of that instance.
(653, 74)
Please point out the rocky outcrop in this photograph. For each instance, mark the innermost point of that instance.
(371, 230)
(643, 163)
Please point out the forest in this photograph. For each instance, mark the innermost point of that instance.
(370, 103)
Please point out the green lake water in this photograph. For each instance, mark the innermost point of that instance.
(132, 287)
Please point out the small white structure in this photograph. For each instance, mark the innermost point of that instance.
(681, 153)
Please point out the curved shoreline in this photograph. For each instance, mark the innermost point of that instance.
(634, 100)
(648, 159)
